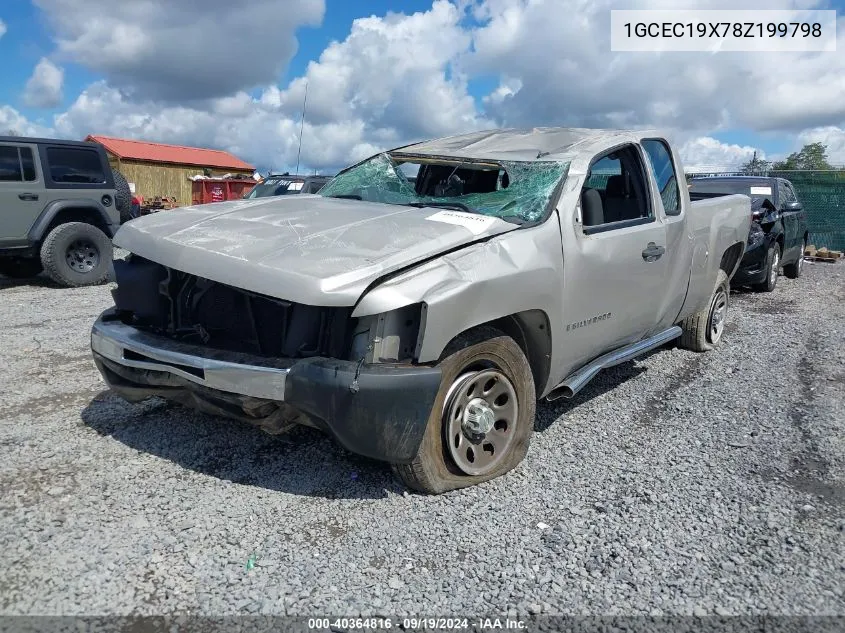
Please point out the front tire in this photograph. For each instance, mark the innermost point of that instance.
(482, 419)
(793, 270)
(703, 330)
(772, 270)
(76, 254)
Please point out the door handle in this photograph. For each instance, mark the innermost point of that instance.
(28, 196)
(653, 252)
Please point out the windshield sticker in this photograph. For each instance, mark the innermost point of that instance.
(761, 191)
(475, 223)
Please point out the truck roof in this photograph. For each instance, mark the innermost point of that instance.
(524, 144)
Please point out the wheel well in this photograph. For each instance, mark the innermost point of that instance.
(731, 257)
(530, 329)
(76, 214)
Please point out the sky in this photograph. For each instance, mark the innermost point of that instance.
(379, 74)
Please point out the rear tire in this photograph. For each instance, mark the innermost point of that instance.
(703, 330)
(122, 196)
(772, 264)
(77, 254)
(20, 268)
(793, 270)
(439, 467)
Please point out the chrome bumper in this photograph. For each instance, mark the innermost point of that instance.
(130, 347)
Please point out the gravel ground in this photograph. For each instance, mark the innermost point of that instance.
(677, 484)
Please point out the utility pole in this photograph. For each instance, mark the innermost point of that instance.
(301, 126)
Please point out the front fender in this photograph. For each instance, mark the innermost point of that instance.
(509, 274)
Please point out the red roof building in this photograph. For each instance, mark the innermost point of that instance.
(127, 149)
(157, 169)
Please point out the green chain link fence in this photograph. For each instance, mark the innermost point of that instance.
(823, 195)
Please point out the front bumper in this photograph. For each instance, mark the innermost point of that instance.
(379, 411)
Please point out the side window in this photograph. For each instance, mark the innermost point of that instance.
(615, 190)
(788, 193)
(10, 164)
(663, 170)
(28, 164)
(70, 165)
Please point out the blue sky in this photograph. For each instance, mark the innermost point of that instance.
(715, 116)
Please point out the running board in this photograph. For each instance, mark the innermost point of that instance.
(578, 379)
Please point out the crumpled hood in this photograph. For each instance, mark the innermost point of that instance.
(304, 248)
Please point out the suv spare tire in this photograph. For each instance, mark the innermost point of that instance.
(77, 254)
(122, 196)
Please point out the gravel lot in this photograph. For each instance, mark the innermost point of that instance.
(677, 484)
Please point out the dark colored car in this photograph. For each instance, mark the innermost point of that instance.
(778, 234)
(285, 184)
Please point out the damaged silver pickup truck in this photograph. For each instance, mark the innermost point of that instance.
(418, 306)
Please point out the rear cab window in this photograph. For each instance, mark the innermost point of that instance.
(17, 164)
(75, 165)
(663, 170)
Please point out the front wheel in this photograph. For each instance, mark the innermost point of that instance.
(772, 269)
(703, 330)
(793, 270)
(482, 418)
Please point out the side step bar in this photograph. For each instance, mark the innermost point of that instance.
(578, 379)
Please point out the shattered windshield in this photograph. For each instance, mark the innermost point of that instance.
(516, 191)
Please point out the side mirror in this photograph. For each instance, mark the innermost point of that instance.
(792, 206)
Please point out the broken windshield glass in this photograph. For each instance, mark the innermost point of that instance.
(511, 190)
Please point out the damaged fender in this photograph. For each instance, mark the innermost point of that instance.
(503, 276)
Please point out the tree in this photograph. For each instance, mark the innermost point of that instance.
(811, 156)
(12, 132)
(755, 166)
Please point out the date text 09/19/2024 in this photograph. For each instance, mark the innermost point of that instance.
(416, 624)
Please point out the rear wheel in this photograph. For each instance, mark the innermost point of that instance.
(703, 331)
(772, 269)
(793, 270)
(76, 254)
(482, 418)
(20, 268)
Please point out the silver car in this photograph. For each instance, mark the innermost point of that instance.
(418, 307)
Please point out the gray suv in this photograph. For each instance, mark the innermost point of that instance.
(60, 205)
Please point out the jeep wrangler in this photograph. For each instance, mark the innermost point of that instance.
(60, 205)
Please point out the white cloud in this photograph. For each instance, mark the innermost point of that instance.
(387, 83)
(707, 154)
(183, 72)
(569, 76)
(13, 121)
(44, 87)
(2, 28)
(832, 136)
(181, 50)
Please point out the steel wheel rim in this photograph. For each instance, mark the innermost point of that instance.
(718, 312)
(480, 415)
(82, 255)
(773, 273)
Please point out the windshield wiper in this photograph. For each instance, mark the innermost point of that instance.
(460, 206)
(347, 196)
